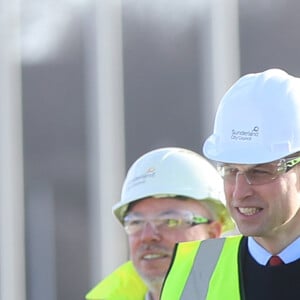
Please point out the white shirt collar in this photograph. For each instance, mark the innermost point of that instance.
(261, 255)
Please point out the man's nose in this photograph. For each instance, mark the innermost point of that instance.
(242, 186)
(150, 232)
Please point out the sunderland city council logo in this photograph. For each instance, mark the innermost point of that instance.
(245, 135)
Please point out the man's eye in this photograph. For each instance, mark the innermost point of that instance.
(260, 172)
(230, 171)
(173, 222)
(135, 222)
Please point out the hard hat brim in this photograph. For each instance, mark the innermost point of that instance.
(245, 154)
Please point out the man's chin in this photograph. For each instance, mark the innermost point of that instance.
(152, 279)
(154, 270)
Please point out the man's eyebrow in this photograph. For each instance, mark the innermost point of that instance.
(170, 211)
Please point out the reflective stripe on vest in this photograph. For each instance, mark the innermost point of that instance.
(205, 270)
(207, 256)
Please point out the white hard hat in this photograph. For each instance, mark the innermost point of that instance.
(258, 120)
(171, 172)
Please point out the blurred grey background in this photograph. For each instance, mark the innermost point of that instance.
(166, 73)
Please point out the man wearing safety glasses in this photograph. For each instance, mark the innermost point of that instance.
(169, 195)
(256, 144)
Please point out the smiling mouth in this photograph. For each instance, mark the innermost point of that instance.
(154, 256)
(249, 211)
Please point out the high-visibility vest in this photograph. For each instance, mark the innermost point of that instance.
(123, 284)
(204, 270)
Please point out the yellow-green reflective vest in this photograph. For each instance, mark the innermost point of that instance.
(206, 270)
(123, 284)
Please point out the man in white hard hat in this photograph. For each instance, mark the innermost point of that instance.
(169, 195)
(256, 143)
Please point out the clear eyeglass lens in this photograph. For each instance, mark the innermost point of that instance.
(164, 222)
(259, 174)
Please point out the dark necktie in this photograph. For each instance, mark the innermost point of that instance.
(275, 261)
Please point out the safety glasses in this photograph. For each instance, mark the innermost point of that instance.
(258, 174)
(165, 221)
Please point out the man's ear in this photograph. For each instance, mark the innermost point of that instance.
(215, 229)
